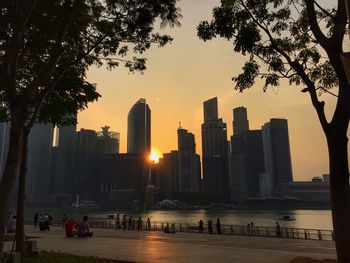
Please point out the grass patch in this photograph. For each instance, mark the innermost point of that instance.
(312, 260)
(45, 257)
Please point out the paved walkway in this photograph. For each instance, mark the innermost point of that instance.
(157, 247)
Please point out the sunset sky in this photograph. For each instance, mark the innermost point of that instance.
(184, 74)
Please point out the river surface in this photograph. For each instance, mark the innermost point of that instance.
(311, 219)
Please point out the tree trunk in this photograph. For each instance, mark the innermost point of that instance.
(20, 233)
(340, 193)
(9, 176)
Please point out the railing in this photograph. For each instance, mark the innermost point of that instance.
(239, 230)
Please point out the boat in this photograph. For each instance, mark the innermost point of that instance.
(287, 218)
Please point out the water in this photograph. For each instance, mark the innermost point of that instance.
(311, 219)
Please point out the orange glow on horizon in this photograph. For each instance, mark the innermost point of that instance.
(155, 155)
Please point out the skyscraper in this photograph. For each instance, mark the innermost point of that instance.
(189, 162)
(64, 161)
(277, 157)
(211, 110)
(39, 162)
(86, 158)
(247, 160)
(169, 172)
(139, 128)
(215, 152)
(108, 141)
(240, 120)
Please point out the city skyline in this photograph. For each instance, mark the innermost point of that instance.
(184, 74)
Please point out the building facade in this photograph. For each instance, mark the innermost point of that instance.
(277, 156)
(215, 153)
(139, 128)
(189, 162)
(39, 163)
(240, 121)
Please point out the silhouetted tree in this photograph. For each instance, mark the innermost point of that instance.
(41, 40)
(301, 41)
(71, 94)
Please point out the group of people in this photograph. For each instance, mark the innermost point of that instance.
(210, 226)
(79, 229)
(131, 223)
(44, 221)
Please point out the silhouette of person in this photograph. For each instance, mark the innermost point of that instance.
(218, 226)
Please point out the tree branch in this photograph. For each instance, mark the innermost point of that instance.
(339, 25)
(315, 28)
(324, 10)
(56, 52)
(319, 106)
(10, 61)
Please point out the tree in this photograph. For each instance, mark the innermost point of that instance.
(301, 41)
(41, 40)
(72, 94)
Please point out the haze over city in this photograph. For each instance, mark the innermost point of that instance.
(182, 75)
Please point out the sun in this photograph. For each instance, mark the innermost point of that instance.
(155, 155)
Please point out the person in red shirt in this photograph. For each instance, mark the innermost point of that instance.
(69, 227)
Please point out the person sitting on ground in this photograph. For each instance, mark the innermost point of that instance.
(69, 227)
(11, 225)
(83, 228)
(172, 230)
(44, 223)
(167, 228)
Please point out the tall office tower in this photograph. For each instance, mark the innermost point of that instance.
(211, 110)
(4, 144)
(247, 164)
(64, 157)
(215, 153)
(240, 121)
(139, 128)
(39, 162)
(239, 188)
(169, 173)
(247, 160)
(277, 157)
(108, 141)
(86, 159)
(189, 162)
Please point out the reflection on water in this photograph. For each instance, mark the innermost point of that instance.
(313, 219)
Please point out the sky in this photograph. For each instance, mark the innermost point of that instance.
(182, 75)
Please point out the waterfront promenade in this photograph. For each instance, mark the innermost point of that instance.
(156, 246)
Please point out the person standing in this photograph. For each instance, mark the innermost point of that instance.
(278, 230)
(130, 223)
(124, 222)
(148, 223)
(117, 223)
(35, 219)
(248, 229)
(139, 224)
(218, 226)
(64, 220)
(200, 226)
(210, 226)
(252, 228)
